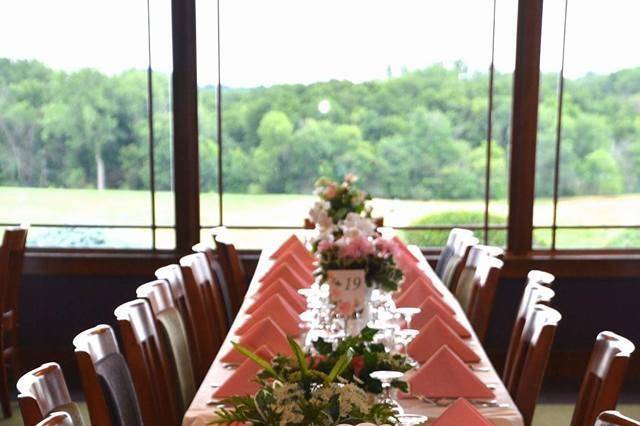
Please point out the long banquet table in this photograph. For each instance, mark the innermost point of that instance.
(200, 412)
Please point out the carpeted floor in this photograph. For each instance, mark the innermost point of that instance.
(546, 414)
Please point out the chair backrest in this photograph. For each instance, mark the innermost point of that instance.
(106, 379)
(614, 418)
(532, 358)
(207, 307)
(477, 286)
(43, 391)
(534, 293)
(172, 274)
(12, 250)
(148, 362)
(604, 377)
(173, 336)
(448, 249)
(454, 268)
(231, 266)
(218, 273)
(58, 419)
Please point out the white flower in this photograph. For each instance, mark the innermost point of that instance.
(354, 226)
(319, 216)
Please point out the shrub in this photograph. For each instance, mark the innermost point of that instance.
(438, 238)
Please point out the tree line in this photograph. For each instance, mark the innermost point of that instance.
(418, 135)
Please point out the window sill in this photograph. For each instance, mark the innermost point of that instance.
(569, 264)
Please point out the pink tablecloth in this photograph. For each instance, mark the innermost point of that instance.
(199, 413)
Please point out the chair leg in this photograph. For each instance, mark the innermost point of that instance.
(5, 398)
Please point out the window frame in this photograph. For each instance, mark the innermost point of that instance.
(520, 256)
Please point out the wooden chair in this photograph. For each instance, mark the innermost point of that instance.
(477, 286)
(614, 418)
(456, 264)
(43, 391)
(534, 293)
(604, 377)
(232, 267)
(447, 251)
(218, 273)
(531, 359)
(149, 364)
(174, 338)
(58, 419)
(106, 380)
(172, 274)
(11, 259)
(207, 307)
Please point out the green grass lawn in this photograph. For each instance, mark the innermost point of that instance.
(126, 207)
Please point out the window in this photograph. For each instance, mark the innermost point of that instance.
(415, 99)
(85, 127)
(588, 160)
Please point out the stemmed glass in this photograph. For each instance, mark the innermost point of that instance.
(411, 419)
(405, 336)
(407, 314)
(386, 377)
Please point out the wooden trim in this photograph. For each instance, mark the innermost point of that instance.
(185, 125)
(576, 264)
(524, 126)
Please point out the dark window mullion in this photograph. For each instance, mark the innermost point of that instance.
(151, 138)
(219, 125)
(556, 171)
(487, 175)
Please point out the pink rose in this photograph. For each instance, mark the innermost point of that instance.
(330, 192)
(324, 245)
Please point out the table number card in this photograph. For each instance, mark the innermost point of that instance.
(347, 290)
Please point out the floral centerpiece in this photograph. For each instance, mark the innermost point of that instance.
(293, 392)
(337, 200)
(360, 247)
(368, 357)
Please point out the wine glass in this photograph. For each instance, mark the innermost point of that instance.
(407, 313)
(411, 419)
(405, 336)
(386, 377)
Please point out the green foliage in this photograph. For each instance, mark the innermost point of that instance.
(438, 238)
(366, 358)
(421, 135)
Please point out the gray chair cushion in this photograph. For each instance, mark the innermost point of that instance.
(117, 386)
(174, 339)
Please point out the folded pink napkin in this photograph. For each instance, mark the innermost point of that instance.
(421, 279)
(288, 293)
(265, 332)
(412, 273)
(418, 294)
(433, 336)
(284, 272)
(444, 375)
(276, 308)
(293, 244)
(431, 308)
(240, 382)
(292, 261)
(460, 413)
(404, 249)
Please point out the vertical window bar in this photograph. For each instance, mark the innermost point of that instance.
(219, 127)
(152, 175)
(487, 175)
(556, 171)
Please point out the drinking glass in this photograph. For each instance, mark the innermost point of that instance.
(386, 377)
(407, 314)
(405, 336)
(411, 419)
